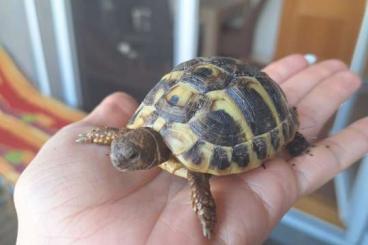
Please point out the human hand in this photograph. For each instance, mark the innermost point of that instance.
(70, 193)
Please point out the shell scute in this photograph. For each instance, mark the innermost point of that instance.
(220, 159)
(207, 77)
(253, 107)
(240, 155)
(227, 64)
(218, 128)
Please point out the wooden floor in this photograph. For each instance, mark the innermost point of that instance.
(8, 220)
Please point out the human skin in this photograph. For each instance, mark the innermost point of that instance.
(71, 194)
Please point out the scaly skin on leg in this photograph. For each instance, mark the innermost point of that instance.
(202, 201)
(298, 145)
(101, 136)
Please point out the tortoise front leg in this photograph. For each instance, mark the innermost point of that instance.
(101, 136)
(202, 201)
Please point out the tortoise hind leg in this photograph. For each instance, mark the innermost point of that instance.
(298, 145)
(101, 136)
(202, 201)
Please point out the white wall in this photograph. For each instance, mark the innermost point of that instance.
(36, 54)
(266, 34)
(14, 35)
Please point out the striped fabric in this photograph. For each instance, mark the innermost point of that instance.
(27, 119)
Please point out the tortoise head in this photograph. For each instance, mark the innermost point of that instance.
(137, 149)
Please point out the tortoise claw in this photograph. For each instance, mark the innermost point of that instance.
(206, 233)
(83, 138)
(208, 220)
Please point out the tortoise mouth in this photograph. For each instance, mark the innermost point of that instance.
(122, 167)
(125, 165)
(119, 163)
(127, 169)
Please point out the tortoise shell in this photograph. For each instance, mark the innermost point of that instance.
(217, 115)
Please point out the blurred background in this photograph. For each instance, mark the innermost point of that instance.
(60, 58)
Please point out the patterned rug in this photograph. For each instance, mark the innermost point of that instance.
(27, 119)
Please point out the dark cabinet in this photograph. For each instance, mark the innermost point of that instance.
(121, 45)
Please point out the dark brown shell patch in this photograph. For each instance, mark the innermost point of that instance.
(253, 107)
(275, 94)
(260, 147)
(229, 65)
(194, 154)
(171, 111)
(219, 159)
(240, 155)
(218, 128)
(187, 64)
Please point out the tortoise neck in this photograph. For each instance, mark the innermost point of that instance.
(156, 144)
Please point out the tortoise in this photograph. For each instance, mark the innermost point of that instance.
(208, 116)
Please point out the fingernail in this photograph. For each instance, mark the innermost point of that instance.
(310, 58)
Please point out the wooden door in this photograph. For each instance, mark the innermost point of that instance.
(326, 28)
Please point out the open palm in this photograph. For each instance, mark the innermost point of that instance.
(71, 194)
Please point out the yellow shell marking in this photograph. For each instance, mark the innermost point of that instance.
(183, 91)
(158, 95)
(215, 71)
(140, 119)
(175, 167)
(174, 75)
(181, 138)
(158, 124)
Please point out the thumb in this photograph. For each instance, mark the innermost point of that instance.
(114, 111)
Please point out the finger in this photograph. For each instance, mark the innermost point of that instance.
(331, 156)
(321, 103)
(284, 68)
(300, 84)
(115, 111)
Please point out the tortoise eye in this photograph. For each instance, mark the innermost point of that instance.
(133, 155)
